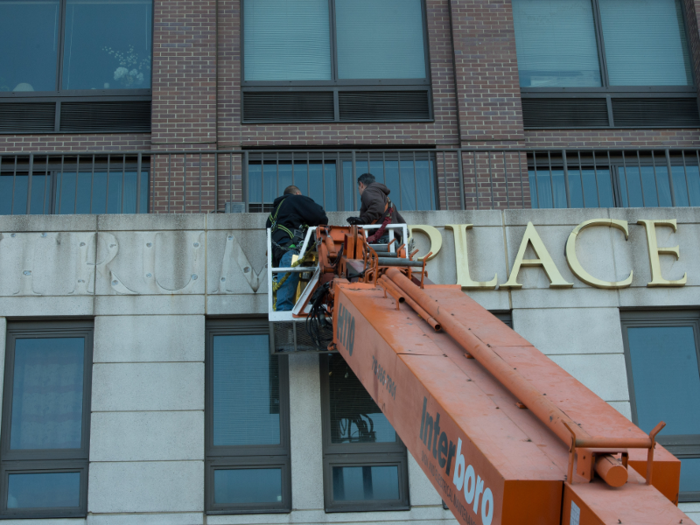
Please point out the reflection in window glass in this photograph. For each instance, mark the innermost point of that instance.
(47, 393)
(690, 475)
(365, 483)
(355, 417)
(686, 185)
(593, 185)
(236, 486)
(43, 490)
(666, 378)
(286, 40)
(645, 43)
(380, 39)
(644, 186)
(113, 192)
(107, 44)
(29, 40)
(313, 179)
(13, 194)
(556, 43)
(246, 391)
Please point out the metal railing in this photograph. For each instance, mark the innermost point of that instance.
(419, 179)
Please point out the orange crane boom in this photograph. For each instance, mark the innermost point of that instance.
(504, 434)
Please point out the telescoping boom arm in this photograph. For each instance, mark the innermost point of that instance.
(504, 434)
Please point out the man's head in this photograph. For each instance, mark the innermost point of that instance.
(364, 180)
(292, 190)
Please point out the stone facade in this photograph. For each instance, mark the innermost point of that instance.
(151, 282)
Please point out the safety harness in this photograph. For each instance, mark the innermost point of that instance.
(385, 222)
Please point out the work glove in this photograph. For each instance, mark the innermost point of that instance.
(354, 220)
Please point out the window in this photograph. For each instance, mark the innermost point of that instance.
(338, 60)
(60, 185)
(97, 52)
(663, 354)
(247, 427)
(628, 181)
(364, 461)
(331, 178)
(602, 63)
(46, 420)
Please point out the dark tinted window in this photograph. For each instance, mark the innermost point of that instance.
(365, 462)
(46, 420)
(247, 430)
(663, 350)
(29, 40)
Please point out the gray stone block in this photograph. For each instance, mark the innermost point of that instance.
(440, 218)
(659, 297)
(64, 521)
(152, 221)
(47, 306)
(604, 374)
(307, 447)
(420, 489)
(623, 407)
(149, 338)
(236, 221)
(553, 217)
(147, 436)
(48, 223)
(151, 262)
(47, 263)
(682, 215)
(237, 304)
(236, 262)
(160, 486)
(571, 330)
(149, 304)
(147, 386)
(587, 297)
(171, 518)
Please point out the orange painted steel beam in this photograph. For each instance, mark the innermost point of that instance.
(548, 412)
(491, 462)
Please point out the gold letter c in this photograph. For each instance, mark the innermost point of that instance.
(575, 265)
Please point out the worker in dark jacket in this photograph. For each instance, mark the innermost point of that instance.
(376, 207)
(292, 213)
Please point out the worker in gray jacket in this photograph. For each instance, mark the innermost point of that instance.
(376, 207)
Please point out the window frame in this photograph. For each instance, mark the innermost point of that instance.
(615, 165)
(608, 92)
(245, 456)
(360, 162)
(356, 455)
(78, 95)
(335, 84)
(55, 168)
(681, 446)
(85, 96)
(45, 460)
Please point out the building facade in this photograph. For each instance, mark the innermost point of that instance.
(142, 143)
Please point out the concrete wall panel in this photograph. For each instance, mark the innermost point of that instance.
(147, 386)
(160, 486)
(149, 338)
(571, 330)
(604, 374)
(307, 445)
(147, 436)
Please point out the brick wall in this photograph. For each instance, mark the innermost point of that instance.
(197, 79)
(184, 72)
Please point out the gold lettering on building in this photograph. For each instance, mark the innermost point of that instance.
(462, 260)
(657, 280)
(433, 235)
(575, 265)
(531, 237)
